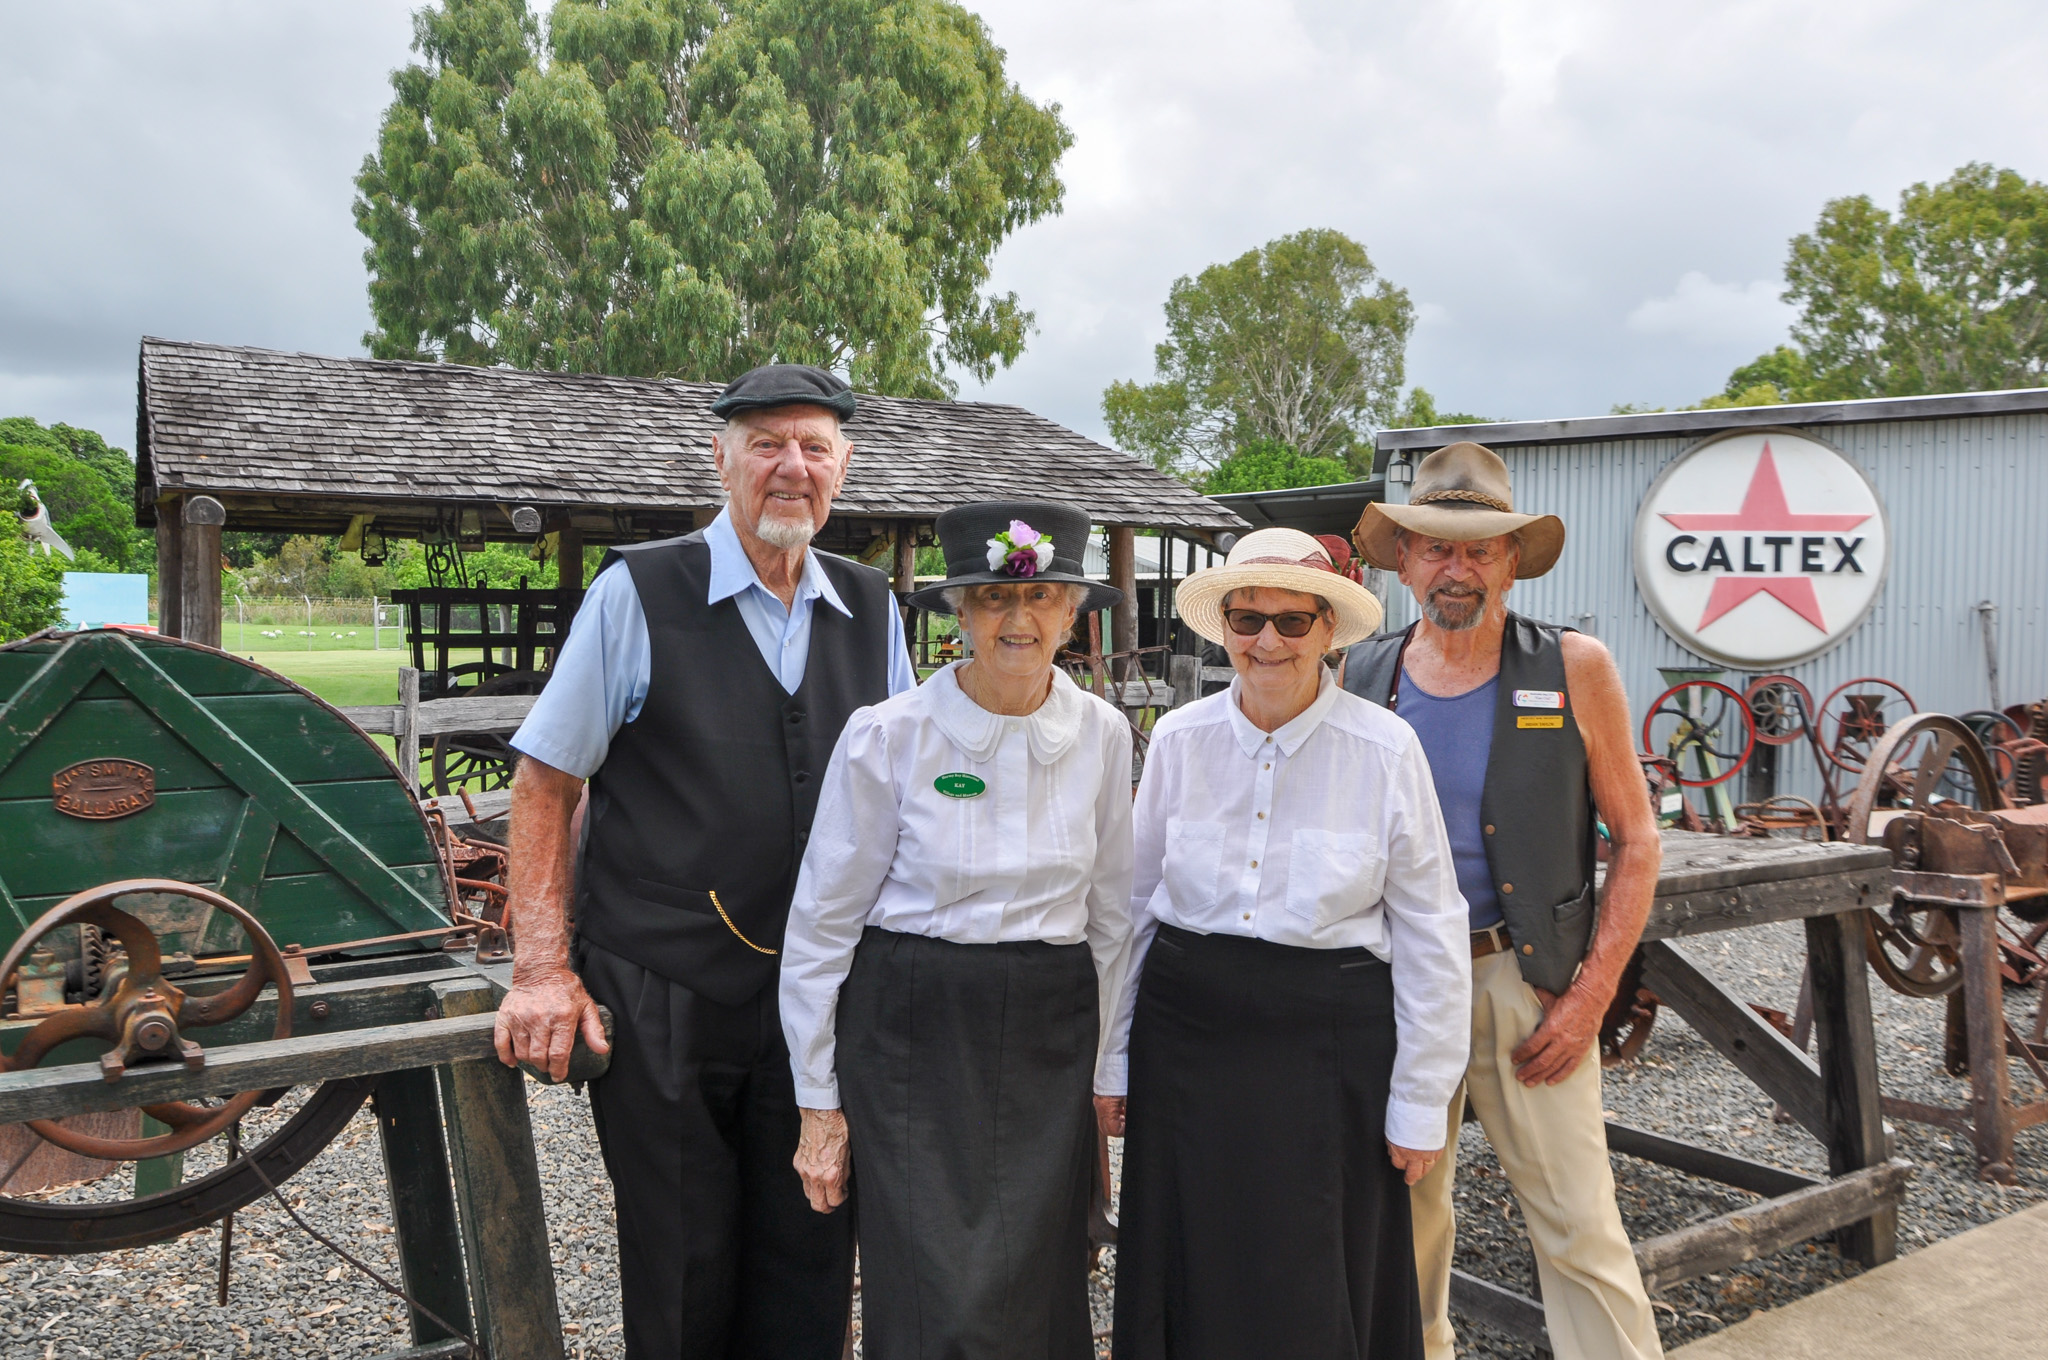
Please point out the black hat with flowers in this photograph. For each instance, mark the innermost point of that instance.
(1007, 542)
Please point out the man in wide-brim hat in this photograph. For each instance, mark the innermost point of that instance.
(1527, 731)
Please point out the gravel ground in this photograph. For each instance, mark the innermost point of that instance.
(289, 1297)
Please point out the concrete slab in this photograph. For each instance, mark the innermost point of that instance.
(1977, 1295)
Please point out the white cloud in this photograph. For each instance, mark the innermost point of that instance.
(1710, 313)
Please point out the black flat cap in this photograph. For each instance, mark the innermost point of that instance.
(785, 385)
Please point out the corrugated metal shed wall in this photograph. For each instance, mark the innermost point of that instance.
(1968, 501)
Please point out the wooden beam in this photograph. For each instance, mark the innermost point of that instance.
(1123, 574)
(1762, 1054)
(498, 1199)
(568, 559)
(408, 1110)
(199, 608)
(1756, 1177)
(170, 559)
(1853, 1105)
(1483, 1301)
(1773, 1225)
(905, 569)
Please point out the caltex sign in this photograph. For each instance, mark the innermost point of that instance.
(1762, 548)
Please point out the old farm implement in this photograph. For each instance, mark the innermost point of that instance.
(227, 925)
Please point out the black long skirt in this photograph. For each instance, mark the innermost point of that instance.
(1260, 1214)
(966, 1072)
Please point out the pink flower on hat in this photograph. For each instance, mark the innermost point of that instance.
(1019, 551)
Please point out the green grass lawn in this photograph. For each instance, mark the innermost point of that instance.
(340, 677)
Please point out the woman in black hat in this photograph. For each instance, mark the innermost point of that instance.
(960, 921)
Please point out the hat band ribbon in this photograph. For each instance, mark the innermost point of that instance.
(1471, 497)
(1313, 561)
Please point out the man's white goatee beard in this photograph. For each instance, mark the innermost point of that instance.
(786, 534)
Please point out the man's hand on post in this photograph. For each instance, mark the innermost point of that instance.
(824, 1158)
(1559, 1044)
(539, 1019)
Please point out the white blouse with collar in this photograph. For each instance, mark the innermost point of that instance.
(1043, 852)
(1323, 834)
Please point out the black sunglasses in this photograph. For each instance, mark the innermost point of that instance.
(1250, 623)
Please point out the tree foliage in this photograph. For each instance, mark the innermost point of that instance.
(88, 487)
(1269, 465)
(31, 586)
(1950, 294)
(1419, 412)
(1299, 341)
(684, 188)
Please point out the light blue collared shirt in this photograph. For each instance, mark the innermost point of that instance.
(601, 674)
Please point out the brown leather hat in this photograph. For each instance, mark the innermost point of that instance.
(1462, 492)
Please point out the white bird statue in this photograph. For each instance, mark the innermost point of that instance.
(37, 523)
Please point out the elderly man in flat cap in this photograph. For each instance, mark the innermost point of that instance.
(1527, 732)
(700, 693)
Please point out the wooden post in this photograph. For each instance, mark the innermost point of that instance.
(569, 559)
(1991, 1121)
(1184, 673)
(170, 558)
(906, 557)
(1123, 574)
(408, 1110)
(199, 611)
(406, 740)
(1854, 1122)
(497, 1195)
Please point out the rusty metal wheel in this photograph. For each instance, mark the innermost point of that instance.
(143, 1016)
(1925, 759)
(1851, 724)
(1626, 1026)
(1782, 708)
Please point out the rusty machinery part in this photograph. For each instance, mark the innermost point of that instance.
(480, 762)
(144, 1016)
(1925, 758)
(1704, 723)
(1783, 812)
(46, 1229)
(1667, 796)
(1782, 708)
(1855, 716)
(1626, 1026)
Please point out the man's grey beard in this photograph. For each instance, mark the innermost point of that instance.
(786, 534)
(1448, 620)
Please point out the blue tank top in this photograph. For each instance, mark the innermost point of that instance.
(1457, 736)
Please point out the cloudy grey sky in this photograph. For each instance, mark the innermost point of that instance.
(1588, 200)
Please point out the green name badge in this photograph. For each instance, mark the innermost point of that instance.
(959, 786)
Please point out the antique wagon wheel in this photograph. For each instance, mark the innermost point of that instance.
(1782, 708)
(1705, 722)
(1928, 757)
(144, 1016)
(1850, 729)
(1994, 730)
(481, 761)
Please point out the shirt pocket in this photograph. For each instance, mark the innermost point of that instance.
(1194, 861)
(1332, 875)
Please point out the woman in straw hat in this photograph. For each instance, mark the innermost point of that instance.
(960, 924)
(1296, 1011)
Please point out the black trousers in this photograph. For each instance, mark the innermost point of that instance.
(1261, 1215)
(966, 1070)
(720, 1255)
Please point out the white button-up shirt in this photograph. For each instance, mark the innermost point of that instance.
(1042, 852)
(1323, 834)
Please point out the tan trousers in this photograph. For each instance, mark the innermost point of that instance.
(1552, 1144)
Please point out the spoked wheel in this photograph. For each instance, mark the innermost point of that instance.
(1927, 759)
(479, 762)
(1704, 728)
(1855, 717)
(1781, 707)
(143, 1017)
(1999, 734)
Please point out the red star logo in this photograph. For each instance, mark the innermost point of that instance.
(1764, 509)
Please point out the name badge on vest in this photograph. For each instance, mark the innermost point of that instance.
(1540, 720)
(960, 785)
(1539, 698)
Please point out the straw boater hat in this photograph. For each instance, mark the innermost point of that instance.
(1279, 559)
(1462, 492)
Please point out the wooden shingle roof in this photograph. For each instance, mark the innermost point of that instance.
(270, 432)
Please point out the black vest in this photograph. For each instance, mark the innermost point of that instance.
(699, 814)
(1537, 806)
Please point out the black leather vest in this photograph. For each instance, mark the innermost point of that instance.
(699, 815)
(1537, 806)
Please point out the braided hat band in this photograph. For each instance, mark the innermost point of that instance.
(1471, 497)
